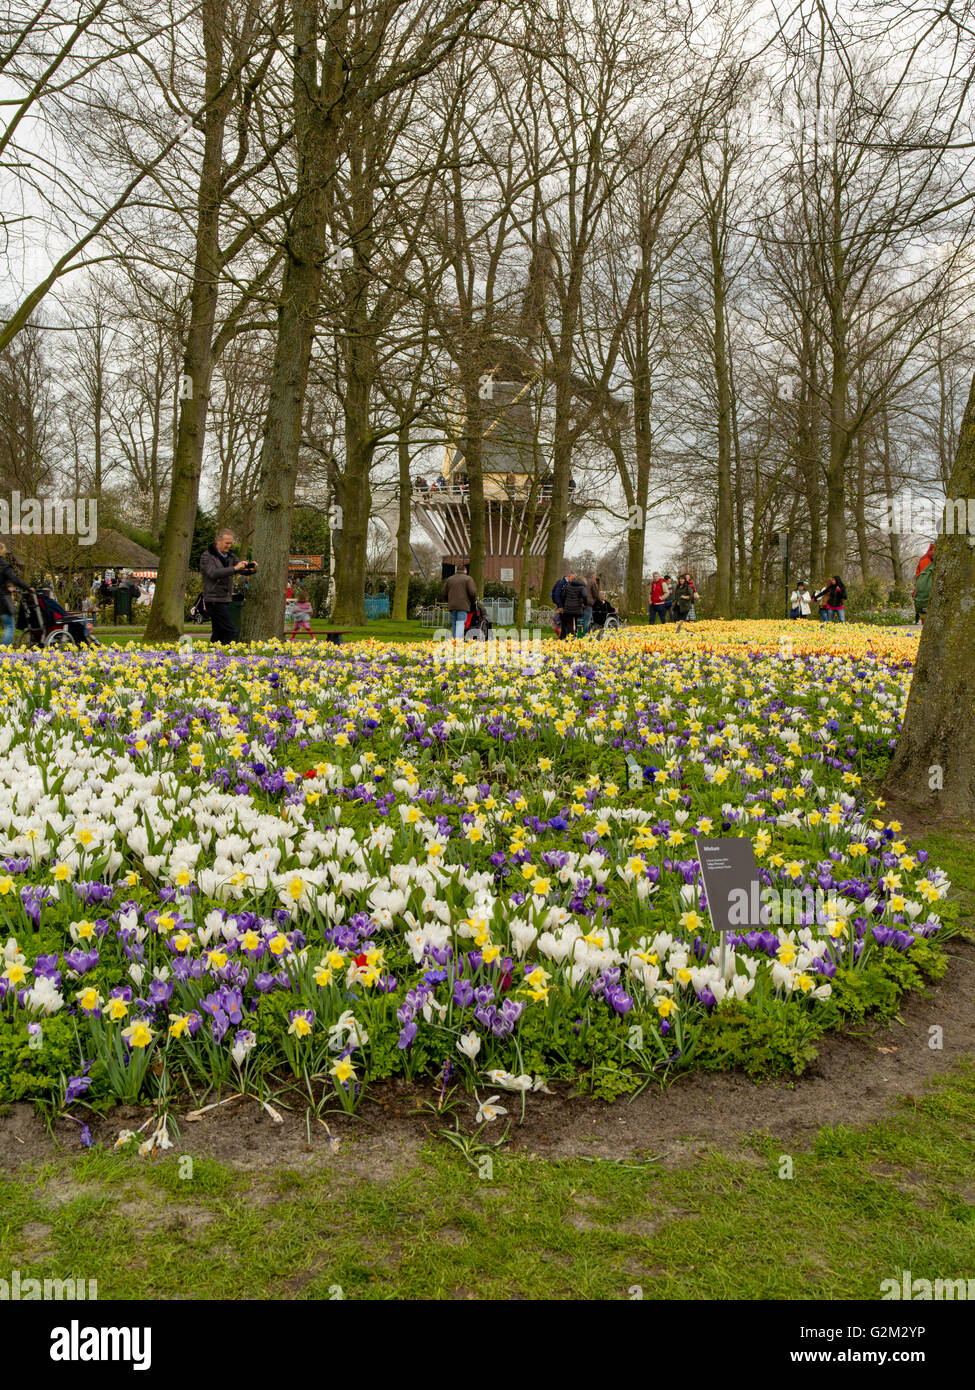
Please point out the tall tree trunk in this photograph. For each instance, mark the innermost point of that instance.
(934, 764)
(473, 452)
(317, 150)
(724, 534)
(401, 591)
(839, 439)
(561, 445)
(636, 535)
(743, 568)
(165, 621)
(809, 465)
(860, 509)
(755, 566)
(896, 561)
(355, 495)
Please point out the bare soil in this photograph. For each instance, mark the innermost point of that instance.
(856, 1079)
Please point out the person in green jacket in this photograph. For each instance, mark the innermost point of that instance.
(922, 592)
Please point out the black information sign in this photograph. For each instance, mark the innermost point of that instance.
(730, 874)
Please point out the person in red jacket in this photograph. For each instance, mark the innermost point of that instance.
(921, 593)
(657, 596)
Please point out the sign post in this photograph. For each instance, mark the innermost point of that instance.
(729, 871)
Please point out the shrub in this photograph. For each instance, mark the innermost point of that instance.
(317, 590)
(194, 588)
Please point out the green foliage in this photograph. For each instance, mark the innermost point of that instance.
(309, 531)
(194, 588)
(742, 1034)
(494, 589)
(422, 593)
(141, 537)
(877, 988)
(590, 1049)
(34, 1073)
(317, 589)
(862, 594)
(204, 534)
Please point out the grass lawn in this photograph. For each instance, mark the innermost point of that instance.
(382, 629)
(859, 1207)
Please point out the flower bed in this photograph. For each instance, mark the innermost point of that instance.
(286, 872)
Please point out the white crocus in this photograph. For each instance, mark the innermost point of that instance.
(469, 1044)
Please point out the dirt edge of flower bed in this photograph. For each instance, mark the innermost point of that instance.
(858, 1077)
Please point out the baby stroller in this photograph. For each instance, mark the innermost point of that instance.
(48, 625)
(198, 613)
(604, 618)
(477, 624)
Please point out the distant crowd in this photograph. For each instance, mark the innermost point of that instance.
(105, 588)
(830, 600)
(672, 600)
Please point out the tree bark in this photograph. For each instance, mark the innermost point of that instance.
(896, 561)
(934, 764)
(860, 508)
(317, 149)
(402, 588)
(354, 492)
(474, 468)
(165, 621)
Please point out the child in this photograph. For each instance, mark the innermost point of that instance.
(301, 608)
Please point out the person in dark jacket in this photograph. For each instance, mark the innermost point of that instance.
(573, 604)
(835, 599)
(692, 615)
(219, 564)
(8, 608)
(460, 595)
(683, 599)
(558, 598)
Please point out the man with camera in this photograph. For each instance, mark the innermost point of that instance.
(218, 565)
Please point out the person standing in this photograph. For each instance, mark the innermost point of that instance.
(820, 597)
(692, 615)
(683, 599)
(921, 593)
(799, 605)
(301, 613)
(657, 596)
(592, 597)
(558, 598)
(574, 604)
(219, 563)
(835, 599)
(460, 596)
(9, 579)
(668, 599)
